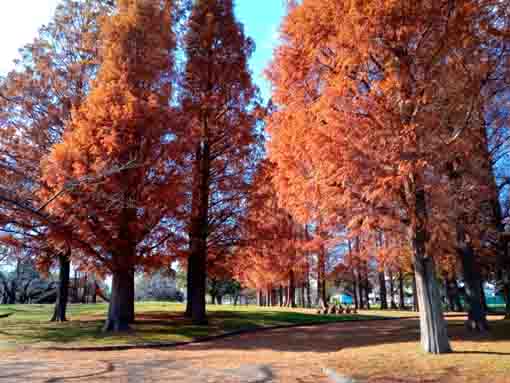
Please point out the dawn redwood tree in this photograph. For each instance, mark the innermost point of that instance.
(370, 111)
(271, 254)
(220, 103)
(51, 77)
(119, 159)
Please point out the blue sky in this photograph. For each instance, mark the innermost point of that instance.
(20, 20)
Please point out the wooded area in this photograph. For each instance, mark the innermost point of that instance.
(133, 138)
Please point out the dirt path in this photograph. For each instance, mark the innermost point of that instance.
(303, 354)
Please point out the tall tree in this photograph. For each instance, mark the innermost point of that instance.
(119, 161)
(220, 102)
(51, 77)
(373, 107)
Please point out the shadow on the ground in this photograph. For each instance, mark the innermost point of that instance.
(335, 337)
(158, 326)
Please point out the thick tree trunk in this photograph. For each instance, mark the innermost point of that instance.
(259, 298)
(59, 314)
(213, 299)
(198, 292)
(119, 311)
(433, 331)
(220, 299)
(477, 319)
(280, 295)
(382, 290)
(200, 227)
(132, 295)
(401, 305)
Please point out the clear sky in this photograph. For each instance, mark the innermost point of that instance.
(20, 20)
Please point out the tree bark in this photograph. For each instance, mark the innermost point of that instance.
(292, 290)
(280, 296)
(189, 289)
(132, 295)
(367, 288)
(433, 331)
(360, 290)
(321, 275)
(402, 305)
(59, 314)
(415, 294)
(198, 291)
(382, 290)
(393, 305)
(119, 311)
(355, 290)
(477, 319)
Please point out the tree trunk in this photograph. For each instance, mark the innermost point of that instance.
(355, 290)
(131, 295)
(382, 290)
(280, 295)
(198, 292)
(259, 298)
(393, 305)
(416, 306)
(485, 308)
(360, 290)
(292, 290)
(119, 311)
(402, 305)
(433, 331)
(189, 290)
(59, 314)
(213, 299)
(200, 227)
(220, 299)
(477, 319)
(367, 288)
(321, 275)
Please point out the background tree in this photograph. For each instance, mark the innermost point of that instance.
(51, 77)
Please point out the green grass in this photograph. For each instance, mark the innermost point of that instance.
(155, 322)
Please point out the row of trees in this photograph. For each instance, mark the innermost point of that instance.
(383, 133)
(132, 137)
(129, 135)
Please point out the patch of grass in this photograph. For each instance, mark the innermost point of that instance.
(155, 322)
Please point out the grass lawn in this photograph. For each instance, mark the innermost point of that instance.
(155, 322)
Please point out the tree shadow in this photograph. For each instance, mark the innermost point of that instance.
(347, 335)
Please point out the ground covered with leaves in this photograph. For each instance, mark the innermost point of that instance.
(379, 351)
